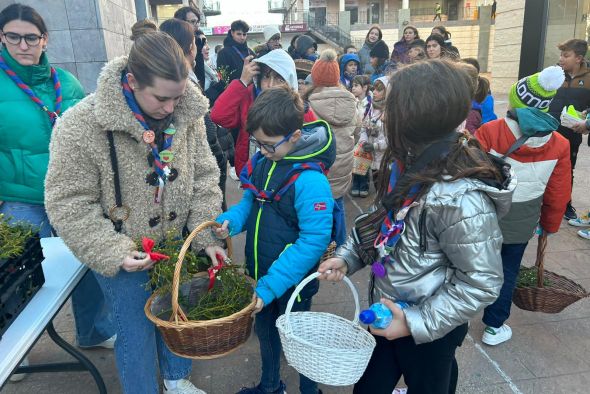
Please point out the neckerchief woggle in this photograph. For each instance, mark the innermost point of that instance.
(393, 225)
(291, 177)
(53, 115)
(161, 158)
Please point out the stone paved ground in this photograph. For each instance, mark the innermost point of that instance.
(548, 353)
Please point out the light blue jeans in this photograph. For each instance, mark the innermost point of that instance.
(91, 313)
(139, 343)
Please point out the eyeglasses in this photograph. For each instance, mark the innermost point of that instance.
(194, 22)
(32, 40)
(269, 147)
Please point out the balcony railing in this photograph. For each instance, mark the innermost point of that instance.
(278, 6)
(211, 8)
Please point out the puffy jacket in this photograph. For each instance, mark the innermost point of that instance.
(447, 263)
(231, 108)
(363, 53)
(25, 129)
(338, 107)
(231, 57)
(543, 169)
(487, 109)
(80, 186)
(285, 239)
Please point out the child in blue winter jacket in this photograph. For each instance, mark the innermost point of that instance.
(349, 68)
(286, 211)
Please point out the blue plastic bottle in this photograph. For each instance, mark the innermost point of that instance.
(378, 315)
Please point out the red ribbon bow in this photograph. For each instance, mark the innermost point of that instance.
(148, 245)
(214, 270)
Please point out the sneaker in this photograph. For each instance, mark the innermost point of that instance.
(364, 193)
(494, 336)
(17, 377)
(183, 386)
(257, 390)
(233, 175)
(581, 221)
(584, 233)
(354, 193)
(108, 344)
(570, 212)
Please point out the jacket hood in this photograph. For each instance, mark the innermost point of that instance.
(532, 121)
(384, 80)
(347, 58)
(316, 144)
(280, 61)
(333, 104)
(303, 44)
(113, 113)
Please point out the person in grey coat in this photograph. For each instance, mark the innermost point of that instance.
(438, 248)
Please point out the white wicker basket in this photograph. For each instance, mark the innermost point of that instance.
(326, 348)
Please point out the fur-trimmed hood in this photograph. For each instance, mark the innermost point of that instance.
(113, 113)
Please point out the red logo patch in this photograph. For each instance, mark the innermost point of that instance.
(319, 206)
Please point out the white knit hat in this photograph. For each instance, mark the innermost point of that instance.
(270, 31)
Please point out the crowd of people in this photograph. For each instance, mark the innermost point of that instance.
(458, 193)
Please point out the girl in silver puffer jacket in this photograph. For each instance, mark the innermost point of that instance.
(438, 247)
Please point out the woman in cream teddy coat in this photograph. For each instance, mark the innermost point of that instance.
(80, 191)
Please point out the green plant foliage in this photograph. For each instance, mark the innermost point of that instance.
(527, 277)
(231, 292)
(14, 237)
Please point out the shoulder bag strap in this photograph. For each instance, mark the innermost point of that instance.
(118, 223)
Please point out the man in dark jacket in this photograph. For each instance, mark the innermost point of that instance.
(575, 91)
(235, 50)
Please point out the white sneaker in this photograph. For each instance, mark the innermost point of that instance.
(108, 344)
(494, 336)
(17, 377)
(584, 233)
(233, 175)
(581, 221)
(183, 386)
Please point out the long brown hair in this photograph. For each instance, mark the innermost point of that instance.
(426, 102)
(155, 54)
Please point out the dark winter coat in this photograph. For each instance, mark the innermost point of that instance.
(232, 57)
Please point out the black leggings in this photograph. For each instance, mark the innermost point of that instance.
(429, 368)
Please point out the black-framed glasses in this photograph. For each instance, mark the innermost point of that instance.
(270, 148)
(194, 22)
(32, 40)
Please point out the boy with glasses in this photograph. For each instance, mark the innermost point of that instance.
(286, 211)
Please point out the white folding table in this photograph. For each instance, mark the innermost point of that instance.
(62, 273)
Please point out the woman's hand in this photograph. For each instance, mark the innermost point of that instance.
(213, 251)
(333, 269)
(398, 327)
(137, 261)
(251, 69)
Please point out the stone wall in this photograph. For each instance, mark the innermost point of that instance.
(85, 34)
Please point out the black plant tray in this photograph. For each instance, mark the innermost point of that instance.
(20, 279)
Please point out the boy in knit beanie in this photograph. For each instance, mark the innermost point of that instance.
(380, 62)
(334, 104)
(539, 156)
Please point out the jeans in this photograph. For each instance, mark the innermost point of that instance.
(339, 221)
(360, 182)
(270, 344)
(496, 314)
(139, 346)
(427, 368)
(91, 313)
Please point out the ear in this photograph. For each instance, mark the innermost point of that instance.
(132, 81)
(580, 59)
(296, 135)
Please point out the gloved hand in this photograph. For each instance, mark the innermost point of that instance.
(368, 147)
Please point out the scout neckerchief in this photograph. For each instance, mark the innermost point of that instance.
(163, 158)
(53, 115)
(290, 178)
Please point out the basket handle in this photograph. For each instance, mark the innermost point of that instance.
(305, 281)
(541, 246)
(177, 311)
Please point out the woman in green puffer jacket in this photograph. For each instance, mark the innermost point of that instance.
(33, 95)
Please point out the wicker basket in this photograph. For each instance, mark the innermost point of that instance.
(329, 253)
(326, 348)
(205, 339)
(562, 292)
